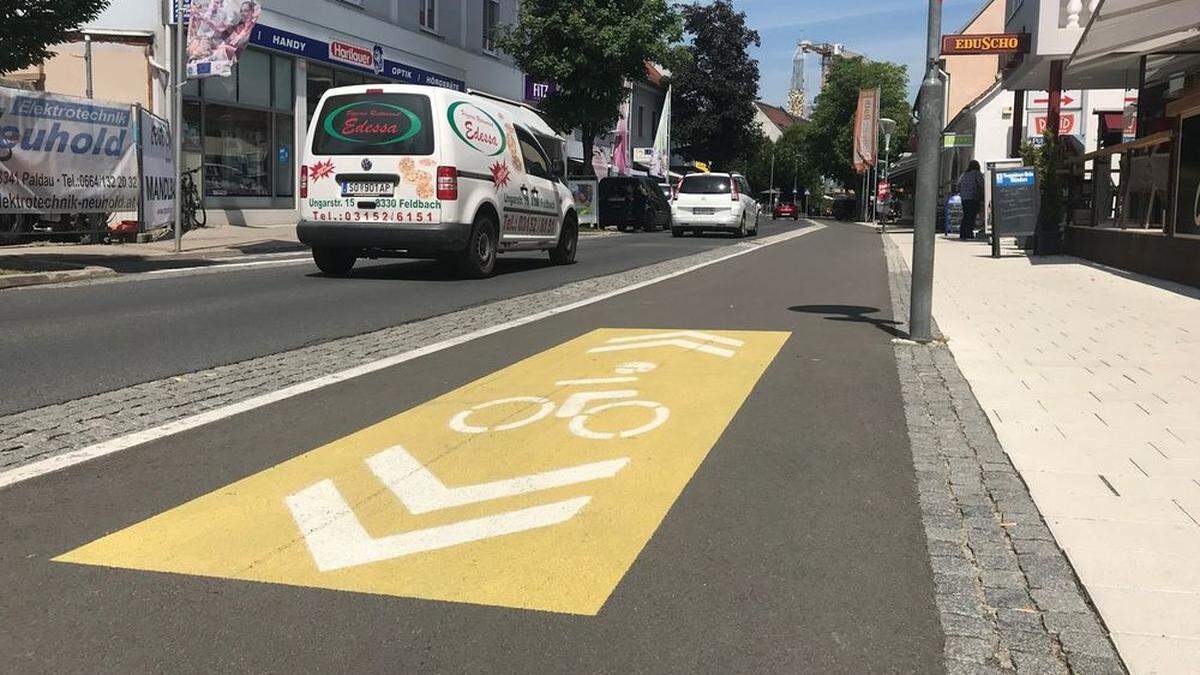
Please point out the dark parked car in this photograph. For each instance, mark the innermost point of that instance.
(629, 202)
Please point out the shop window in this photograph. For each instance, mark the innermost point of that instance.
(283, 81)
(285, 155)
(221, 88)
(318, 80)
(491, 18)
(254, 79)
(344, 78)
(237, 152)
(428, 13)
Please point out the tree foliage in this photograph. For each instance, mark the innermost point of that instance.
(28, 27)
(793, 166)
(830, 135)
(589, 48)
(716, 87)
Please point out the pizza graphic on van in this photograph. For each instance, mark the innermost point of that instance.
(475, 127)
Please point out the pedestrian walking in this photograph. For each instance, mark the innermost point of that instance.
(970, 189)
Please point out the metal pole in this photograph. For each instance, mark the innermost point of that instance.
(177, 114)
(929, 132)
(772, 181)
(887, 170)
(87, 65)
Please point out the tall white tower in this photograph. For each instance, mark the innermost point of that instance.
(796, 95)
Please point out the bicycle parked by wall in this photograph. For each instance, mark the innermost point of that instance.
(191, 212)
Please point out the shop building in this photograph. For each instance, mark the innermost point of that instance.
(247, 130)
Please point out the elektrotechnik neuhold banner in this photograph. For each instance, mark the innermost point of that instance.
(62, 154)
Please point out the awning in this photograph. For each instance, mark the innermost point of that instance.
(1112, 120)
(1120, 31)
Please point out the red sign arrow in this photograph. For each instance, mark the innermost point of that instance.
(1066, 99)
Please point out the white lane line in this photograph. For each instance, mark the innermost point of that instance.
(68, 459)
(227, 266)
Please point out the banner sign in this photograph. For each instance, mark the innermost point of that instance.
(985, 43)
(366, 59)
(63, 154)
(956, 140)
(157, 162)
(218, 31)
(866, 129)
(538, 91)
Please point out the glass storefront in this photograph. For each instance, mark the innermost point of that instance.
(241, 130)
(321, 78)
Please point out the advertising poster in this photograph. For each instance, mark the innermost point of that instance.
(218, 31)
(584, 192)
(158, 171)
(62, 154)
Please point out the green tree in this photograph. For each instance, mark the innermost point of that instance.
(715, 88)
(28, 27)
(829, 138)
(793, 166)
(589, 48)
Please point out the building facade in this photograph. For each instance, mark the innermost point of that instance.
(247, 130)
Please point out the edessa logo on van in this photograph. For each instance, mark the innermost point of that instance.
(475, 127)
(372, 123)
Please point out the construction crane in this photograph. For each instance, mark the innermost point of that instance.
(798, 95)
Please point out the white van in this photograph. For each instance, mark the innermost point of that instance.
(398, 170)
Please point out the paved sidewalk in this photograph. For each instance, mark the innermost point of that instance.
(206, 243)
(1089, 377)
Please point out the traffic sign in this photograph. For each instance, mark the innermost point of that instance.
(534, 487)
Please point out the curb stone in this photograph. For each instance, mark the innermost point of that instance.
(54, 277)
(1008, 599)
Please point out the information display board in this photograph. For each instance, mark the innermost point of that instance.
(1015, 201)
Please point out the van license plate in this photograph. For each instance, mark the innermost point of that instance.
(367, 189)
(704, 212)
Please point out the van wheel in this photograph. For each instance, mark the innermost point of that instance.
(479, 258)
(335, 261)
(568, 243)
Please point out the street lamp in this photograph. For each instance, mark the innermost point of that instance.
(888, 126)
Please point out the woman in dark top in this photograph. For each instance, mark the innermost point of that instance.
(970, 188)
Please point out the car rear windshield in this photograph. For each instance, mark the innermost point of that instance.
(704, 185)
(374, 124)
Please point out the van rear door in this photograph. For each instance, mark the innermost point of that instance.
(372, 158)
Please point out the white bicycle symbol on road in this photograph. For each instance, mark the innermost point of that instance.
(578, 408)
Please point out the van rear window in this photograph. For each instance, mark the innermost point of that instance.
(374, 124)
(704, 185)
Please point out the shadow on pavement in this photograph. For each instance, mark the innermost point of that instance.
(852, 314)
(57, 258)
(431, 270)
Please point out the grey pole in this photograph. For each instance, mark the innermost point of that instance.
(177, 113)
(929, 133)
(888, 126)
(87, 65)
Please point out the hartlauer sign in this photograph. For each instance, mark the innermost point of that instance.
(985, 43)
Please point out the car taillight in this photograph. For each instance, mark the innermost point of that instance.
(303, 181)
(447, 183)
(733, 190)
(374, 91)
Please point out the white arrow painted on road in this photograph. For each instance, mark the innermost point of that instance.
(672, 339)
(422, 492)
(337, 539)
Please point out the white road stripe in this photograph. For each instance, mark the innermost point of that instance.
(120, 443)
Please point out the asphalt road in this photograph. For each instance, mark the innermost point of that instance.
(61, 343)
(796, 546)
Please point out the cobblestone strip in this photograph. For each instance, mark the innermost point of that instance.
(51, 430)
(1008, 599)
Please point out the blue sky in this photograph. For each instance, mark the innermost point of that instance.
(882, 30)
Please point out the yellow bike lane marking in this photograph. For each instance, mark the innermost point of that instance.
(535, 487)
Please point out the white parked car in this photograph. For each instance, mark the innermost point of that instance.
(714, 201)
(425, 172)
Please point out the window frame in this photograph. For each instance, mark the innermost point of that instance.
(427, 11)
(490, 32)
(526, 138)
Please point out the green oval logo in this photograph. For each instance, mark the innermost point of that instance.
(475, 127)
(372, 123)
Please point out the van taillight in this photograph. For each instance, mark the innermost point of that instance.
(303, 181)
(447, 183)
(733, 189)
